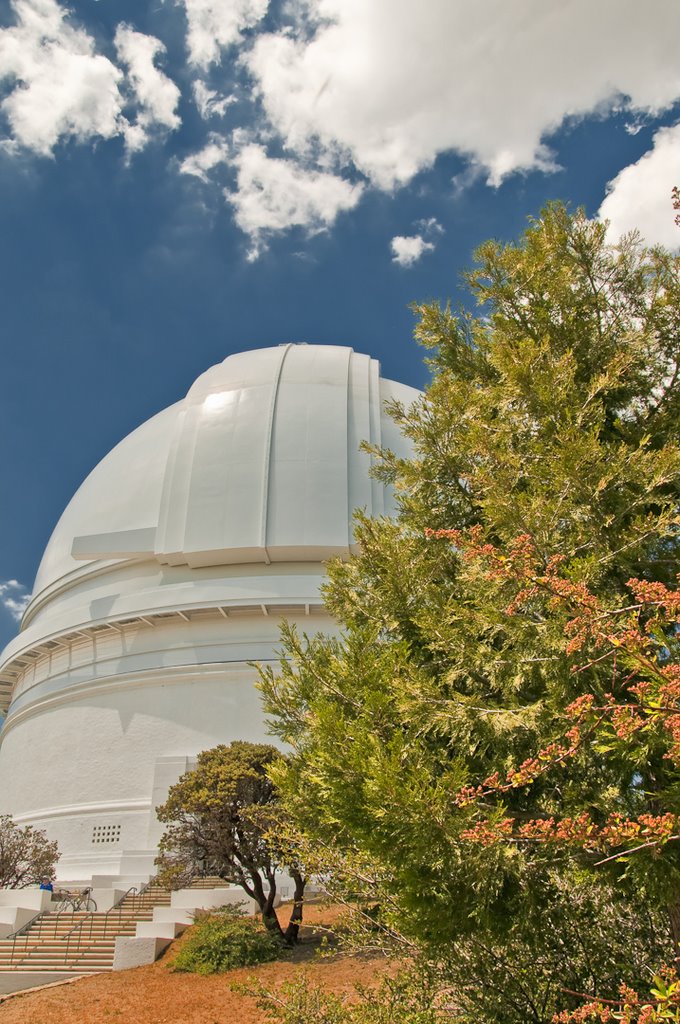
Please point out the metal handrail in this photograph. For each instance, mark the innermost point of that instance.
(53, 915)
(21, 931)
(118, 906)
(89, 918)
(80, 927)
(25, 927)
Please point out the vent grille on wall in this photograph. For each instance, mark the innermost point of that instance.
(106, 834)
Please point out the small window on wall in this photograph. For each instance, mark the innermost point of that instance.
(106, 834)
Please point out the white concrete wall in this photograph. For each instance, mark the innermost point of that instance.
(86, 755)
(167, 575)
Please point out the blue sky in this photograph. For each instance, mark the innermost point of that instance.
(182, 180)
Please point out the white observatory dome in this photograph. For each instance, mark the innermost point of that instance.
(167, 575)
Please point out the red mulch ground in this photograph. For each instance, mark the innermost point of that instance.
(155, 995)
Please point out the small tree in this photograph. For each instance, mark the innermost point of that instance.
(26, 855)
(221, 819)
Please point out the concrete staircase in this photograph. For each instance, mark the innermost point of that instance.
(209, 882)
(78, 943)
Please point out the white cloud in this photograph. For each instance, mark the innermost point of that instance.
(216, 24)
(640, 194)
(14, 598)
(430, 226)
(209, 102)
(407, 249)
(347, 88)
(272, 195)
(199, 164)
(60, 88)
(156, 95)
(388, 87)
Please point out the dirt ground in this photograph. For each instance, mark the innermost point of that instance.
(156, 995)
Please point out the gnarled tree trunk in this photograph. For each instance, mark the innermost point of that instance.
(292, 931)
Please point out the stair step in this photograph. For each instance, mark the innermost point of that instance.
(56, 943)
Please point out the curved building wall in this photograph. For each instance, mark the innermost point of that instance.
(167, 575)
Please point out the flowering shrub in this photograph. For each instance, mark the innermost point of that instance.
(644, 703)
(641, 708)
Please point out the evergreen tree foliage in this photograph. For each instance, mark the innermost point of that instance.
(543, 490)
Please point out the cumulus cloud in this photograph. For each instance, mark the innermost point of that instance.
(155, 94)
(60, 88)
(209, 102)
(274, 194)
(271, 194)
(199, 164)
(640, 195)
(14, 598)
(389, 90)
(216, 24)
(347, 90)
(407, 249)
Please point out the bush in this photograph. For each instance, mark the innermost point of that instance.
(224, 940)
(409, 998)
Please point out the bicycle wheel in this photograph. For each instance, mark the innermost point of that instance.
(88, 905)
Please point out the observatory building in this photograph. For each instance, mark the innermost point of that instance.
(166, 576)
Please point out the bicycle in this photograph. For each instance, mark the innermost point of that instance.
(75, 900)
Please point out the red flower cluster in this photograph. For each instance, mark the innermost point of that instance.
(524, 775)
(529, 770)
(487, 833)
(630, 1008)
(618, 833)
(655, 594)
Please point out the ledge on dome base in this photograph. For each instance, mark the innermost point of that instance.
(191, 900)
(174, 915)
(19, 906)
(36, 899)
(107, 898)
(118, 881)
(160, 929)
(135, 867)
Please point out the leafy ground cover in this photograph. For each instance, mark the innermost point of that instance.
(228, 939)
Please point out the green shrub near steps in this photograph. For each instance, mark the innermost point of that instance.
(224, 940)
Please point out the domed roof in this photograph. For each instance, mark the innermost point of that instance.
(259, 463)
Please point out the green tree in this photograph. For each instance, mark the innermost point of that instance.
(221, 819)
(547, 443)
(26, 855)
